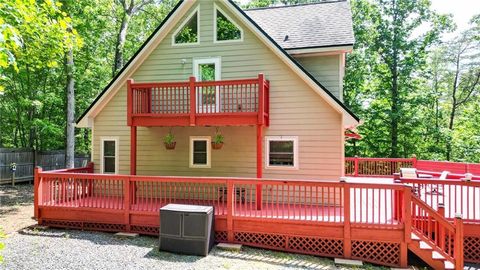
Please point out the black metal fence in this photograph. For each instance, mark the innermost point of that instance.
(26, 159)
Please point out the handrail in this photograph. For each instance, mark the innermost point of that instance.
(457, 196)
(438, 232)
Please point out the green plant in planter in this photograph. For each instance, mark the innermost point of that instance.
(217, 142)
(169, 141)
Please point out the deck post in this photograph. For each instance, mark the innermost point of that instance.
(458, 246)
(259, 165)
(347, 243)
(126, 203)
(36, 194)
(441, 229)
(230, 200)
(261, 99)
(355, 166)
(193, 101)
(133, 150)
(414, 161)
(406, 216)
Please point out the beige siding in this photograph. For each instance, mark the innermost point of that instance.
(296, 110)
(327, 69)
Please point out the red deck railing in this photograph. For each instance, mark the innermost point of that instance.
(292, 213)
(379, 167)
(228, 102)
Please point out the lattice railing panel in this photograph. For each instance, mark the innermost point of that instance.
(220, 236)
(377, 252)
(471, 249)
(317, 246)
(145, 230)
(275, 241)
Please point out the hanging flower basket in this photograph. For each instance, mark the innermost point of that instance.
(170, 146)
(217, 146)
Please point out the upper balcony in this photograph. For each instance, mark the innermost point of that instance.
(199, 103)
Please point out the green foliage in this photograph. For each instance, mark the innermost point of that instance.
(2, 245)
(169, 138)
(218, 138)
(189, 33)
(226, 30)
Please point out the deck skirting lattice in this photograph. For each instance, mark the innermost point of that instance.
(220, 236)
(307, 245)
(150, 230)
(377, 252)
(471, 249)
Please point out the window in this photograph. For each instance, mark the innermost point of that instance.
(282, 152)
(200, 152)
(109, 155)
(188, 32)
(225, 28)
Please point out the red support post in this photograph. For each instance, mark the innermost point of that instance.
(414, 161)
(36, 192)
(259, 165)
(133, 150)
(126, 202)
(407, 221)
(129, 101)
(230, 199)
(347, 243)
(261, 99)
(355, 166)
(441, 229)
(267, 102)
(458, 246)
(90, 167)
(193, 101)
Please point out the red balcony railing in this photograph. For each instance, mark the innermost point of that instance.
(229, 102)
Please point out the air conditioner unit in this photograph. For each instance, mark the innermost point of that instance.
(186, 229)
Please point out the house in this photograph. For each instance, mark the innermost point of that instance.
(270, 81)
(298, 50)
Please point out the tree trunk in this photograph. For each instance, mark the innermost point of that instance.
(454, 107)
(394, 91)
(70, 145)
(121, 38)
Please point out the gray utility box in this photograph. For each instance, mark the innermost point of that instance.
(186, 229)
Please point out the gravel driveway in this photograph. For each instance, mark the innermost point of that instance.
(28, 248)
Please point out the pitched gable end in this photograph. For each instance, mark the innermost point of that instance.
(233, 13)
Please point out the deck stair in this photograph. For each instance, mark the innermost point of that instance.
(426, 252)
(434, 239)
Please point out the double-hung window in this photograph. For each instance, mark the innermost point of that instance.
(200, 148)
(281, 152)
(109, 155)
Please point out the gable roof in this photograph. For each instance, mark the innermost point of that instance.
(349, 118)
(323, 24)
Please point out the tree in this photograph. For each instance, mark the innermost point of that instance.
(395, 56)
(464, 55)
(129, 8)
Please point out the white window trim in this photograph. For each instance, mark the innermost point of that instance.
(295, 152)
(102, 140)
(208, 139)
(196, 10)
(215, 8)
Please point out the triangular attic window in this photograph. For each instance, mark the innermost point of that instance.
(188, 31)
(226, 29)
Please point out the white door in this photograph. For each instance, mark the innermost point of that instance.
(208, 98)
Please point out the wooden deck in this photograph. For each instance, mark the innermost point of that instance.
(335, 219)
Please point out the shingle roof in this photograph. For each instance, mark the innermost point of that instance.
(322, 24)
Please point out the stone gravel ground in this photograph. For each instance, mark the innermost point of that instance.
(71, 249)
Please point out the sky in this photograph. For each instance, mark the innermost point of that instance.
(462, 10)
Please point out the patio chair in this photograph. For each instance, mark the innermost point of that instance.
(438, 190)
